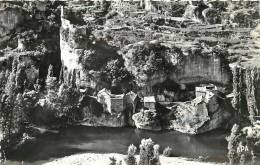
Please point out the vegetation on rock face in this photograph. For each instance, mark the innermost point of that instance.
(245, 89)
(242, 143)
(33, 94)
(63, 98)
(233, 141)
(144, 59)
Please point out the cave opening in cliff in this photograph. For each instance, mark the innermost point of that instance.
(173, 91)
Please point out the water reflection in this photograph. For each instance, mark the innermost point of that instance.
(80, 139)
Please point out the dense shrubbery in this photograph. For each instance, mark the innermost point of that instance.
(19, 101)
(149, 153)
(13, 107)
(117, 73)
(130, 158)
(241, 145)
(143, 60)
(63, 97)
(174, 9)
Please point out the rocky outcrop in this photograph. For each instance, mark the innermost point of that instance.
(246, 78)
(122, 48)
(105, 120)
(93, 114)
(148, 120)
(193, 63)
(200, 115)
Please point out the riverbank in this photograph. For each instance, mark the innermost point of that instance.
(103, 159)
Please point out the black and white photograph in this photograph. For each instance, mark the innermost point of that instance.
(130, 82)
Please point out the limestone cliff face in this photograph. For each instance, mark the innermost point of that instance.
(31, 36)
(195, 69)
(246, 80)
(182, 57)
(198, 69)
(182, 65)
(69, 47)
(11, 17)
(246, 91)
(125, 49)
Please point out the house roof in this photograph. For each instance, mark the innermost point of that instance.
(132, 95)
(113, 96)
(231, 95)
(104, 90)
(117, 96)
(150, 99)
(197, 100)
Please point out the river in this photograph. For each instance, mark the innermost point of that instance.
(82, 139)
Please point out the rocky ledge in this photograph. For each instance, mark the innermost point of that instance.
(202, 114)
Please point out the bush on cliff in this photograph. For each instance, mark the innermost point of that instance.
(145, 59)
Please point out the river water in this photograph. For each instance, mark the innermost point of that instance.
(82, 139)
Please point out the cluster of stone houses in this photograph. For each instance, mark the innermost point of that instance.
(113, 103)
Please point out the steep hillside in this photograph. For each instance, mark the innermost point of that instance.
(55, 57)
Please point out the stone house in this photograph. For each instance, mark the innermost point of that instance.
(149, 102)
(200, 108)
(111, 103)
(131, 100)
(257, 120)
(203, 90)
(117, 103)
(160, 98)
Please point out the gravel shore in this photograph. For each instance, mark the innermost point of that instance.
(103, 159)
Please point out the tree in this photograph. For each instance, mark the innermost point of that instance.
(10, 85)
(146, 151)
(130, 158)
(51, 85)
(144, 60)
(18, 115)
(3, 79)
(233, 141)
(20, 78)
(12, 110)
(61, 75)
(155, 159)
(68, 98)
(73, 79)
